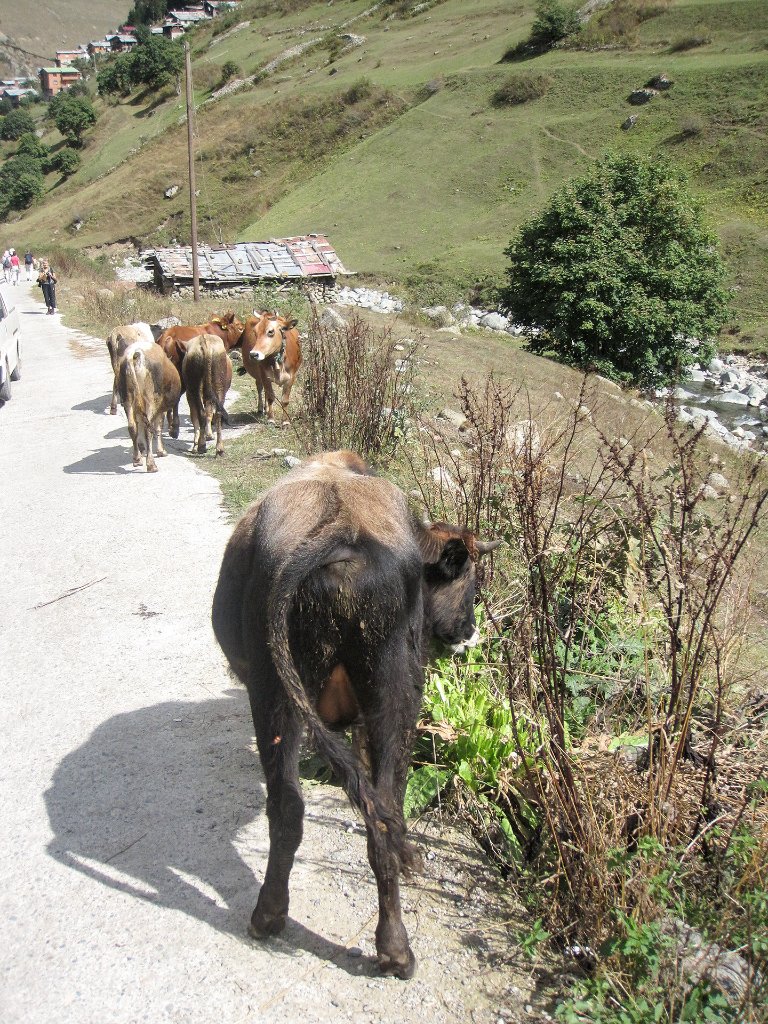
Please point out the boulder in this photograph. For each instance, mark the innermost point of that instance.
(456, 419)
(639, 96)
(733, 398)
(523, 438)
(332, 320)
(494, 322)
(715, 365)
(171, 192)
(660, 82)
(630, 122)
(439, 315)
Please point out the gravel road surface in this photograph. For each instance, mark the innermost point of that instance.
(132, 801)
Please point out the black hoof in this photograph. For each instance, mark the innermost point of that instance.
(262, 927)
(397, 967)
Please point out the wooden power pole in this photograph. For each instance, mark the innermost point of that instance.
(190, 150)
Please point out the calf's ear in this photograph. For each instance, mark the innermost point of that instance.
(290, 324)
(452, 559)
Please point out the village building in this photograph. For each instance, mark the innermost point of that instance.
(172, 30)
(15, 93)
(189, 17)
(214, 7)
(97, 47)
(65, 57)
(56, 80)
(121, 43)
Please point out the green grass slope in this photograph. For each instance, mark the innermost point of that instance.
(396, 148)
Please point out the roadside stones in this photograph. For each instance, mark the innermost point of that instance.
(523, 438)
(439, 315)
(171, 192)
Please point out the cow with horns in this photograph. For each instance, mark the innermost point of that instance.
(328, 597)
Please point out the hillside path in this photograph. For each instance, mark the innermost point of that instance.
(134, 832)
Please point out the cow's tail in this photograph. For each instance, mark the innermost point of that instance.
(359, 789)
(210, 393)
(136, 368)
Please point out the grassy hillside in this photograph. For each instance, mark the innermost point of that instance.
(396, 149)
(30, 37)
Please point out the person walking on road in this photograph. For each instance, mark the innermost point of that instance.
(46, 279)
(6, 265)
(29, 263)
(15, 267)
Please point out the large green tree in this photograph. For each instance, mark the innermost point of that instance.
(620, 274)
(73, 115)
(15, 124)
(21, 183)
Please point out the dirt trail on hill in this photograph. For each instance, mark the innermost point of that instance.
(133, 804)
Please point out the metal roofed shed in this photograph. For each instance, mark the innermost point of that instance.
(304, 257)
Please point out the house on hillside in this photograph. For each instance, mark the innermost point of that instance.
(172, 30)
(214, 7)
(15, 93)
(189, 17)
(120, 43)
(65, 57)
(98, 47)
(56, 80)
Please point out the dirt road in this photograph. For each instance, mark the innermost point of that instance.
(134, 834)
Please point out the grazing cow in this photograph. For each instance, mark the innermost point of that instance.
(272, 356)
(328, 596)
(149, 385)
(117, 342)
(174, 342)
(207, 375)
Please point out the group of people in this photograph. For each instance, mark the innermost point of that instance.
(46, 278)
(12, 266)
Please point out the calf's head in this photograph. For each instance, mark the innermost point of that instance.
(450, 557)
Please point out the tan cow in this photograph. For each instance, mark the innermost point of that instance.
(272, 356)
(149, 386)
(117, 342)
(207, 374)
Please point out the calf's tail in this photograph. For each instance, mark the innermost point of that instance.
(210, 394)
(348, 769)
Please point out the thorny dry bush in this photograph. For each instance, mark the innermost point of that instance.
(619, 616)
(357, 387)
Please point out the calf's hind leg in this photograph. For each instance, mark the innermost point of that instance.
(278, 734)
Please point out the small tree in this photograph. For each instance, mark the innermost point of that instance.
(553, 22)
(620, 273)
(73, 116)
(67, 161)
(30, 145)
(16, 124)
(156, 62)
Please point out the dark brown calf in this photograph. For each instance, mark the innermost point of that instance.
(149, 386)
(174, 341)
(328, 597)
(272, 356)
(207, 375)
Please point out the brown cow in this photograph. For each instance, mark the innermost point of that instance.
(329, 595)
(149, 386)
(118, 341)
(207, 375)
(174, 342)
(272, 356)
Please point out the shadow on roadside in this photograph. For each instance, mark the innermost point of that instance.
(152, 804)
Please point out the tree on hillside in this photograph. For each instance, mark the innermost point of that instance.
(32, 146)
(147, 12)
(115, 77)
(15, 124)
(156, 62)
(554, 21)
(21, 183)
(67, 161)
(73, 116)
(619, 273)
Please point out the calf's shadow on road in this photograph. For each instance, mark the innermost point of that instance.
(152, 806)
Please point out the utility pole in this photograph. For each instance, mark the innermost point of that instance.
(192, 197)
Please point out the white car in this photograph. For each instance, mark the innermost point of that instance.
(10, 348)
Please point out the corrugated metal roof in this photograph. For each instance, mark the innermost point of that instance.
(303, 256)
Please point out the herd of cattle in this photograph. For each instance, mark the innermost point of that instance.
(153, 368)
